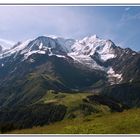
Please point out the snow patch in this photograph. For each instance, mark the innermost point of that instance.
(87, 61)
(26, 55)
(50, 52)
(15, 50)
(60, 56)
(31, 60)
(105, 57)
(114, 78)
(52, 36)
(40, 46)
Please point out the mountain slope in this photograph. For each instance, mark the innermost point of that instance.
(29, 70)
(63, 65)
(127, 122)
(32, 80)
(91, 52)
(127, 93)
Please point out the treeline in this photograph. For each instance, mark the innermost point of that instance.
(126, 93)
(27, 117)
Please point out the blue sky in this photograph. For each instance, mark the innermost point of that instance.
(121, 24)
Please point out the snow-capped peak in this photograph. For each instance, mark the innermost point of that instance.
(92, 37)
(6, 44)
(91, 51)
(88, 39)
(91, 45)
(43, 45)
(85, 48)
(52, 36)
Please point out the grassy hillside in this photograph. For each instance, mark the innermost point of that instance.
(126, 122)
(75, 103)
(56, 106)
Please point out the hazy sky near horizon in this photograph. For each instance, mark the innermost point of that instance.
(121, 24)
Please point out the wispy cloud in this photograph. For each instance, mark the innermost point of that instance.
(127, 8)
(62, 21)
(129, 17)
(8, 41)
(24, 22)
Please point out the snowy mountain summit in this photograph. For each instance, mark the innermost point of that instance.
(87, 47)
(91, 48)
(91, 51)
(93, 45)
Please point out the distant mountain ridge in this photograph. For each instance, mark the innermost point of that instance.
(66, 65)
(92, 52)
(5, 45)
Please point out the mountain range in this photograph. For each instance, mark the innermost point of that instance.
(30, 70)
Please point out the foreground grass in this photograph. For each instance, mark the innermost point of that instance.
(127, 122)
